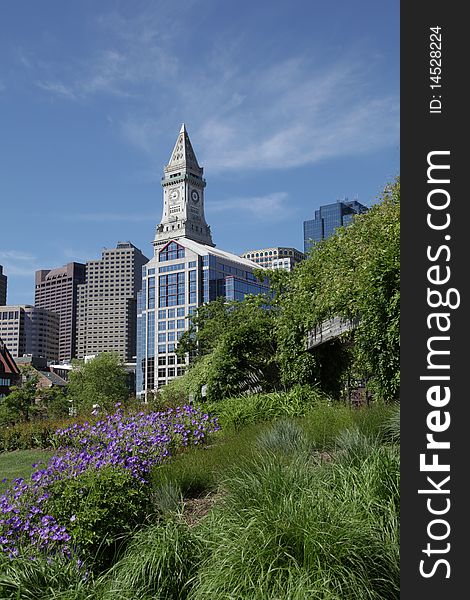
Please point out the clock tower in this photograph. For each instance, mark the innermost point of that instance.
(183, 197)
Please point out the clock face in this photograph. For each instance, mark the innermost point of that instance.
(195, 196)
(174, 195)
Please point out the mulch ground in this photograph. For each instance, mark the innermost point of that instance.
(197, 508)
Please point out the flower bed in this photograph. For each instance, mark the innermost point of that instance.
(125, 446)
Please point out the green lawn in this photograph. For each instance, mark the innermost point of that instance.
(19, 464)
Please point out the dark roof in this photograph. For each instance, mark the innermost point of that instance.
(53, 378)
(7, 362)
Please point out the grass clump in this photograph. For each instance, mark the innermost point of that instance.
(166, 498)
(200, 470)
(295, 529)
(324, 422)
(51, 577)
(285, 436)
(283, 525)
(157, 565)
(238, 412)
(373, 420)
(391, 426)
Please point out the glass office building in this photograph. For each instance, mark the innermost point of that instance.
(328, 218)
(181, 277)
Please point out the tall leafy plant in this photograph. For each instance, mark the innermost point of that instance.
(354, 273)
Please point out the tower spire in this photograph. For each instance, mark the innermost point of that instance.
(183, 196)
(183, 155)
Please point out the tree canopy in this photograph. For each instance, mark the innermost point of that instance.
(19, 405)
(101, 381)
(236, 345)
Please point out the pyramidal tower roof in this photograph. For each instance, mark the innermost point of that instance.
(183, 156)
(183, 197)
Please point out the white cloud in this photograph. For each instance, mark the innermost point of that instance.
(18, 263)
(270, 207)
(298, 116)
(242, 114)
(56, 88)
(15, 255)
(290, 116)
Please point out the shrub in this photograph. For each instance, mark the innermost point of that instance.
(179, 390)
(99, 508)
(353, 273)
(101, 381)
(33, 434)
(23, 436)
(124, 448)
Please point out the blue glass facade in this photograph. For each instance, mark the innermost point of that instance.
(328, 218)
(189, 277)
(237, 289)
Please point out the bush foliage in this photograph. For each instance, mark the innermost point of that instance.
(99, 508)
(236, 345)
(101, 381)
(354, 273)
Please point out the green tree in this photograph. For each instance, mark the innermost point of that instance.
(19, 405)
(100, 381)
(235, 344)
(354, 273)
(54, 402)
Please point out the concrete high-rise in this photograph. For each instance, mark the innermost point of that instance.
(328, 218)
(276, 257)
(3, 287)
(185, 271)
(26, 329)
(107, 303)
(57, 291)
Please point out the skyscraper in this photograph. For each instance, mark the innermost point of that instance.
(328, 218)
(26, 329)
(3, 287)
(57, 291)
(185, 272)
(107, 302)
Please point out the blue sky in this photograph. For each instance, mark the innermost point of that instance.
(288, 104)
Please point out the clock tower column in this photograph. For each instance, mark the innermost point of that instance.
(183, 197)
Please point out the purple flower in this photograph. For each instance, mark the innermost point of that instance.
(135, 443)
